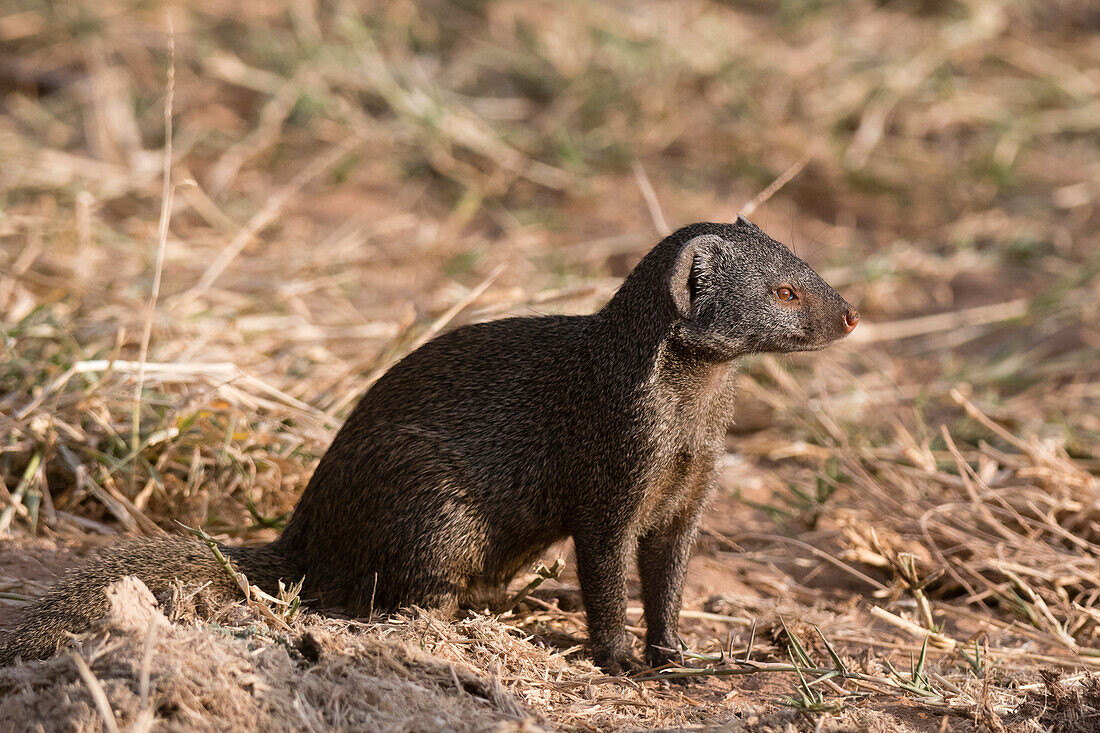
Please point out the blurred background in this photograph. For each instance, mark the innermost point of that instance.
(350, 178)
(347, 173)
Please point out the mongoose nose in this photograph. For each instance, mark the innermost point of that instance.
(851, 318)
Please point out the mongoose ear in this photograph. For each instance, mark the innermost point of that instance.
(690, 263)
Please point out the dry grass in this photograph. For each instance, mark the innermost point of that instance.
(346, 184)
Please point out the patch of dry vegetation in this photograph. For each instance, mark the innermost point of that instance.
(244, 679)
(350, 179)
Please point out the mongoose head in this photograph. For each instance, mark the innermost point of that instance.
(737, 291)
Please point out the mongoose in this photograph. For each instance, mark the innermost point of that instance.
(489, 443)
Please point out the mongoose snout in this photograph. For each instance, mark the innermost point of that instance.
(486, 445)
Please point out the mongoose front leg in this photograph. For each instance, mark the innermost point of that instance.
(601, 568)
(663, 557)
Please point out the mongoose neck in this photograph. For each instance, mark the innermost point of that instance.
(641, 312)
(643, 315)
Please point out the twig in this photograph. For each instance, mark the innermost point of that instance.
(542, 574)
(147, 662)
(974, 412)
(869, 333)
(262, 219)
(705, 616)
(437, 325)
(103, 705)
(784, 178)
(651, 201)
(935, 638)
(819, 554)
(162, 241)
(17, 496)
(253, 596)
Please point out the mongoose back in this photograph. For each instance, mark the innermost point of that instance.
(491, 442)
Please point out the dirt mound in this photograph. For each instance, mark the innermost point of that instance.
(139, 669)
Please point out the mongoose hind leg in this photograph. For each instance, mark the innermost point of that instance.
(379, 592)
(484, 594)
(431, 571)
(441, 599)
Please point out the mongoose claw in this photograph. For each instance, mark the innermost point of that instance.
(617, 658)
(659, 655)
(620, 666)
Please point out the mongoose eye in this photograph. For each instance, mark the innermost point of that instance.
(785, 293)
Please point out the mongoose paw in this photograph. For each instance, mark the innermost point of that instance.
(663, 653)
(620, 666)
(616, 658)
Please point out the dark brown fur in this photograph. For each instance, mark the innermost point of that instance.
(486, 445)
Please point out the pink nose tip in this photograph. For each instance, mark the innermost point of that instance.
(851, 318)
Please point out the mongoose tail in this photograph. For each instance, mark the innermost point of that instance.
(79, 598)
